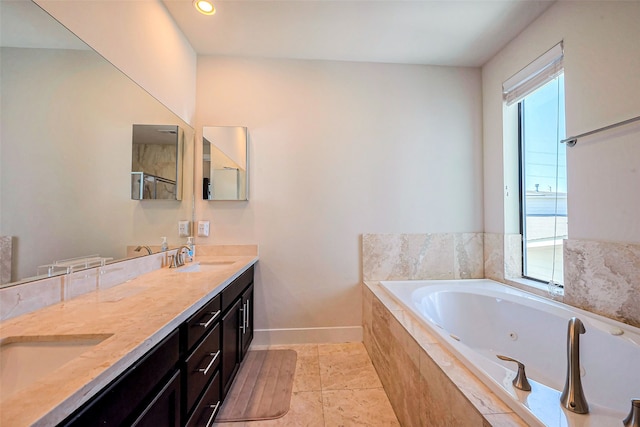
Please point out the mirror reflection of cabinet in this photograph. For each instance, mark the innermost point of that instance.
(225, 163)
(156, 162)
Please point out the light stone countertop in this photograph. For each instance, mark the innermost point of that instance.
(137, 314)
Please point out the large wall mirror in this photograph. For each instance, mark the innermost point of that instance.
(66, 135)
(225, 160)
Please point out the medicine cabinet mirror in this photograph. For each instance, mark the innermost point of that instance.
(156, 162)
(225, 163)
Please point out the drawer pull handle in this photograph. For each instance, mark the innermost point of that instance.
(213, 414)
(246, 323)
(215, 356)
(243, 322)
(208, 322)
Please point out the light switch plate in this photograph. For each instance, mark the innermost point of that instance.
(183, 228)
(203, 228)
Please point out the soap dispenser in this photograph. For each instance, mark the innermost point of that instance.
(192, 247)
(164, 246)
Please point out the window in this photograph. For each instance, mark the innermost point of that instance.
(543, 181)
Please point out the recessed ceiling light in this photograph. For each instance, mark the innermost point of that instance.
(204, 6)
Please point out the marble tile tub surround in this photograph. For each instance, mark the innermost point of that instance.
(600, 277)
(31, 296)
(422, 256)
(604, 278)
(426, 384)
(502, 256)
(136, 316)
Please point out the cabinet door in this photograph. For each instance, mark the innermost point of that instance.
(230, 345)
(164, 409)
(247, 321)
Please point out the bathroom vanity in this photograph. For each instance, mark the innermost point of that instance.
(166, 348)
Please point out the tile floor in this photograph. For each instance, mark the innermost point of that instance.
(334, 385)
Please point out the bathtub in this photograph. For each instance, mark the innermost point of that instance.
(478, 319)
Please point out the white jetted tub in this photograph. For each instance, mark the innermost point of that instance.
(479, 319)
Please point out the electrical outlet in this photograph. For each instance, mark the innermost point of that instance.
(203, 228)
(183, 229)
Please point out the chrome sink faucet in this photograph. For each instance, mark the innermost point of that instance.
(149, 251)
(572, 397)
(180, 255)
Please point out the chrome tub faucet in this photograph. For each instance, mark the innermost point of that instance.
(520, 381)
(633, 419)
(572, 397)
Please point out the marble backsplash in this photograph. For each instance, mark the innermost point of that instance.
(422, 256)
(27, 297)
(604, 278)
(600, 277)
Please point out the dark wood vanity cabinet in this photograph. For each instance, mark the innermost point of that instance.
(203, 394)
(182, 380)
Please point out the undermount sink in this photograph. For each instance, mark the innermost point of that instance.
(204, 266)
(27, 359)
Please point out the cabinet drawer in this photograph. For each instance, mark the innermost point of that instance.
(120, 399)
(208, 406)
(201, 366)
(202, 322)
(164, 409)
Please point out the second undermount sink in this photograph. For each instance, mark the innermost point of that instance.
(27, 359)
(204, 266)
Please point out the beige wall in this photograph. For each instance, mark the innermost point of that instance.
(142, 40)
(339, 149)
(602, 65)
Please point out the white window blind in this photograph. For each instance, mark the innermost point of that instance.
(535, 75)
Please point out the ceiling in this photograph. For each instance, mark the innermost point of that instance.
(435, 32)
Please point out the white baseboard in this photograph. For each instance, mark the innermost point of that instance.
(262, 337)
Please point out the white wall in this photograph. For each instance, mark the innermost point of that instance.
(339, 149)
(602, 65)
(142, 40)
